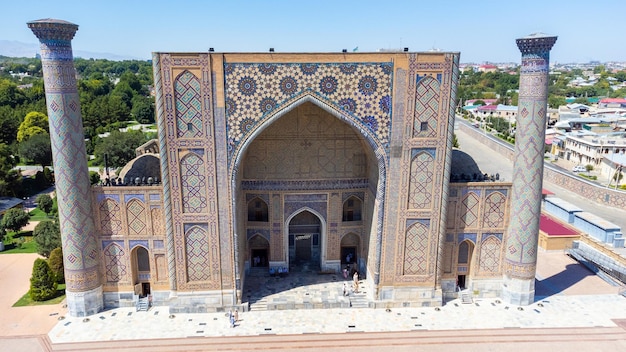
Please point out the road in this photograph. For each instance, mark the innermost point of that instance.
(492, 163)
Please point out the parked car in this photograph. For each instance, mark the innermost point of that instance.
(579, 168)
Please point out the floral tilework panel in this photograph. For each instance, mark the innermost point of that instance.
(255, 91)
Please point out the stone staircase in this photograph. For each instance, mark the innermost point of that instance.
(466, 297)
(143, 304)
(359, 300)
(258, 306)
(259, 271)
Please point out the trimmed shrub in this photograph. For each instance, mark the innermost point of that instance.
(56, 265)
(47, 236)
(42, 284)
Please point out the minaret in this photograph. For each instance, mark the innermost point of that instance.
(520, 263)
(80, 247)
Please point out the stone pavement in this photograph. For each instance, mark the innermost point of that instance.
(568, 295)
(570, 298)
(553, 312)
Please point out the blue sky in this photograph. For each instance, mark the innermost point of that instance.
(480, 30)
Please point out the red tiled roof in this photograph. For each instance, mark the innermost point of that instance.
(488, 107)
(613, 100)
(554, 228)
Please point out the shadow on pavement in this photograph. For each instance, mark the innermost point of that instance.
(558, 283)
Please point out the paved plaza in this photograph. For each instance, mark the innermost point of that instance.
(568, 296)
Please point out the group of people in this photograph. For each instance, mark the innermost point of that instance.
(258, 261)
(233, 317)
(281, 271)
(355, 284)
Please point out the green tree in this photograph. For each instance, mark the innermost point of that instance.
(94, 177)
(143, 109)
(56, 265)
(10, 179)
(14, 219)
(479, 102)
(44, 203)
(119, 146)
(554, 101)
(34, 123)
(47, 236)
(42, 284)
(38, 149)
(620, 76)
(10, 95)
(9, 124)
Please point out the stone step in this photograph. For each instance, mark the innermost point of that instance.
(260, 305)
(359, 300)
(143, 305)
(466, 298)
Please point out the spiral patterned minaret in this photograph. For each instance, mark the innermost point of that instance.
(80, 247)
(523, 234)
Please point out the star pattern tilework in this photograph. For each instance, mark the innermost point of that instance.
(256, 91)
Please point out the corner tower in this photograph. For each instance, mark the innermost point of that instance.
(80, 249)
(521, 248)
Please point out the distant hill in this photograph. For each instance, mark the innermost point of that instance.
(13, 48)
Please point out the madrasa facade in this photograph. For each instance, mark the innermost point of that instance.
(286, 161)
(301, 160)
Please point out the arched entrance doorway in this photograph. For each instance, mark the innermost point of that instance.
(259, 251)
(141, 271)
(464, 263)
(350, 249)
(305, 241)
(310, 157)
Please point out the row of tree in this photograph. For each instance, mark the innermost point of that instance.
(503, 86)
(111, 93)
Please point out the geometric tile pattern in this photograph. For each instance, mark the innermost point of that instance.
(165, 123)
(193, 184)
(421, 182)
(158, 221)
(427, 108)
(416, 250)
(191, 178)
(110, 217)
(490, 251)
(161, 267)
(469, 210)
(521, 247)
(197, 252)
(494, 210)
(188, 106)
(136, 215)
(327, 148)
(114, 263)
(80, 245)
(361, 91)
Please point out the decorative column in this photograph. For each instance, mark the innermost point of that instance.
(520, 263)
(80, 246)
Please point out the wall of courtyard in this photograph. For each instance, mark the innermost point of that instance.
(589, 190)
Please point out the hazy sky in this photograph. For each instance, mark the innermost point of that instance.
(480, 30)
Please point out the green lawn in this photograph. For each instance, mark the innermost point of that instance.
(26, 301)
(38, 215)
(22, 242)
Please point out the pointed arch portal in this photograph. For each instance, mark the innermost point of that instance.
(303, 158)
